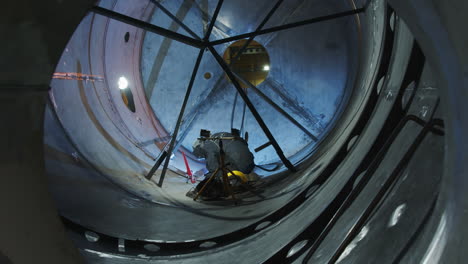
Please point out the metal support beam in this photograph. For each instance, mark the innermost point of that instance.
(262, 147)
(179, 119)
(288, 26)
(259, 27)
(200, 107)
(187, 94)
(180, 23)
(213, 20)
(252, 109)
(148, 27)
(277, 107)
(156, 165)
(239, 53)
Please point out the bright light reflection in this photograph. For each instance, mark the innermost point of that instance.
(266, 67)
(122, 83)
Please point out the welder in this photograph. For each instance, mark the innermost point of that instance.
(230, 148)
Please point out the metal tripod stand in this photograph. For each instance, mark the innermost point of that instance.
(224, 170)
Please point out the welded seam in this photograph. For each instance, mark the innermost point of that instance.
(294, 105)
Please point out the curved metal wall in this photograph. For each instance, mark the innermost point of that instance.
(416, 154)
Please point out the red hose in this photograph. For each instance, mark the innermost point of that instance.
(189, 172)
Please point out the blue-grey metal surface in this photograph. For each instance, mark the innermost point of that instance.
(275, 196)
(105, 138)
(428, 234)
(313, 91)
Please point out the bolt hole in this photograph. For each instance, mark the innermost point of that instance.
(392, 21)
(351, 142)
(151, 247)
(91, 236)
(207, 75)
(380, 85)
(262, 225)
(409, 90)
(358, 179)
(296, 248)
(311, 190)
(207, 244)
